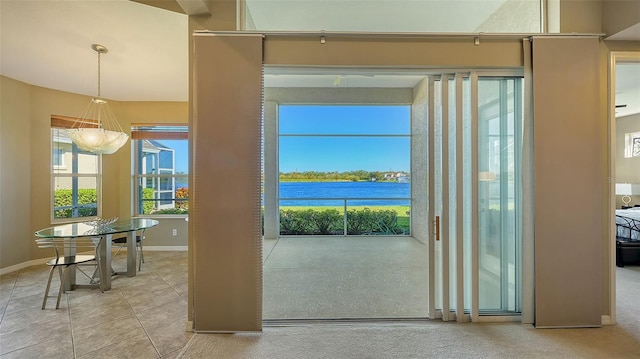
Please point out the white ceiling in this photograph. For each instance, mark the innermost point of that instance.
(48, 43)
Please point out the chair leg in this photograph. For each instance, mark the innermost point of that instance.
(100, 274)
(63, 274)
(116, 253)
(141, 257)
(46, 292)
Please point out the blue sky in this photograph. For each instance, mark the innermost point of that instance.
(182, 153)
(344, 153)
(339, 154)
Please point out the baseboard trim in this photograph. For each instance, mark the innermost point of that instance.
(499, 318)
(161, 248)
(42, 261)
(23, 265)
(166, 248)
(606, 320)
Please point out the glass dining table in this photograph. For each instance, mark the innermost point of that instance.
(82, 229)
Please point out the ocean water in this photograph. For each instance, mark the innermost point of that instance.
(361, 193)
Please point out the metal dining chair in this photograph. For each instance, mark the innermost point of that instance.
(121, 242)
(87, 253)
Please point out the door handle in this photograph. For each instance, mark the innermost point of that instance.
(437, 228)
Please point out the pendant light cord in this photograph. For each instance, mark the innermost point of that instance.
(98, 74)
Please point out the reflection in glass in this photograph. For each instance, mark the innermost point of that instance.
(500, 114)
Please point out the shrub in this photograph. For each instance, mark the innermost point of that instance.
(295, 222)
(330, 221)
(380, 222)
(148, 205)
(64, 197)
(171, 211)
(182, 193)
(359, 222)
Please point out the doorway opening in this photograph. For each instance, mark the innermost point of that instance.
(370, 252)
(624, 204)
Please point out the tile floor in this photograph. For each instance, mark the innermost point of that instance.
(145, 316)
(129, 321)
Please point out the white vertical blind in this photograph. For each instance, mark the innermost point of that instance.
(528, 198)
(432, 198)
(459, 217)
(445, 234)
(473, 201)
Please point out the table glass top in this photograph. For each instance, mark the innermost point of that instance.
(82, 229)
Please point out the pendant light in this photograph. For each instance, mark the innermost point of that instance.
(97, 130)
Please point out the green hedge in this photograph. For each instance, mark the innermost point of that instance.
(330, 221)
(147, 206)
(63, 197)
(181, 202)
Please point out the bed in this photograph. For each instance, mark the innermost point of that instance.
(628, 237)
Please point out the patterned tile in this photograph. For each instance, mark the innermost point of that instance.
(102, 335)
(130, 345)
(54, 330)
(50, 349)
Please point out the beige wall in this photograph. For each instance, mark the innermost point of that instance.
(582, 17)
(25, 182)
(15, 172)
(618, 15)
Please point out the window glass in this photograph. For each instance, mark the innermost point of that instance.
(632, 144)
(75, 179)
(386, 120)
(439, 16)
(162, 163)
(344, 170)
(58, 157)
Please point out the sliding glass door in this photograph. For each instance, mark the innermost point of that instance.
(474, 176)
(499, 123)
(446, 246)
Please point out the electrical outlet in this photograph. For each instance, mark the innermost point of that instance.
(175, 232)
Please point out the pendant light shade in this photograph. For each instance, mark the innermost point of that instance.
(97, 130)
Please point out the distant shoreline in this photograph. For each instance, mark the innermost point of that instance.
(329, 180)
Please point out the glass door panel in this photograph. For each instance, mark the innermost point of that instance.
(499, 116)
(476, 144)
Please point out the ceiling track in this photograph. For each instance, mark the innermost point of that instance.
(418, 35)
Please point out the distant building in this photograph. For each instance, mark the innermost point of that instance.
(396, 176)
(158, 159)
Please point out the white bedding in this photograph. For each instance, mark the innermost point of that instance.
(629, 213)
(628, 223)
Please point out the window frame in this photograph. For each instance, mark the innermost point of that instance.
(144, 177)
(61, 123)
(363, 134)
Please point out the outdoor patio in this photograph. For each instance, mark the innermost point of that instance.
(344, 277)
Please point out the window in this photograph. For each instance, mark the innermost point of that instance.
(436, 16)
(632, 145)
(344, 170)
(161, 175)
(75, 176)
(58, 157)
